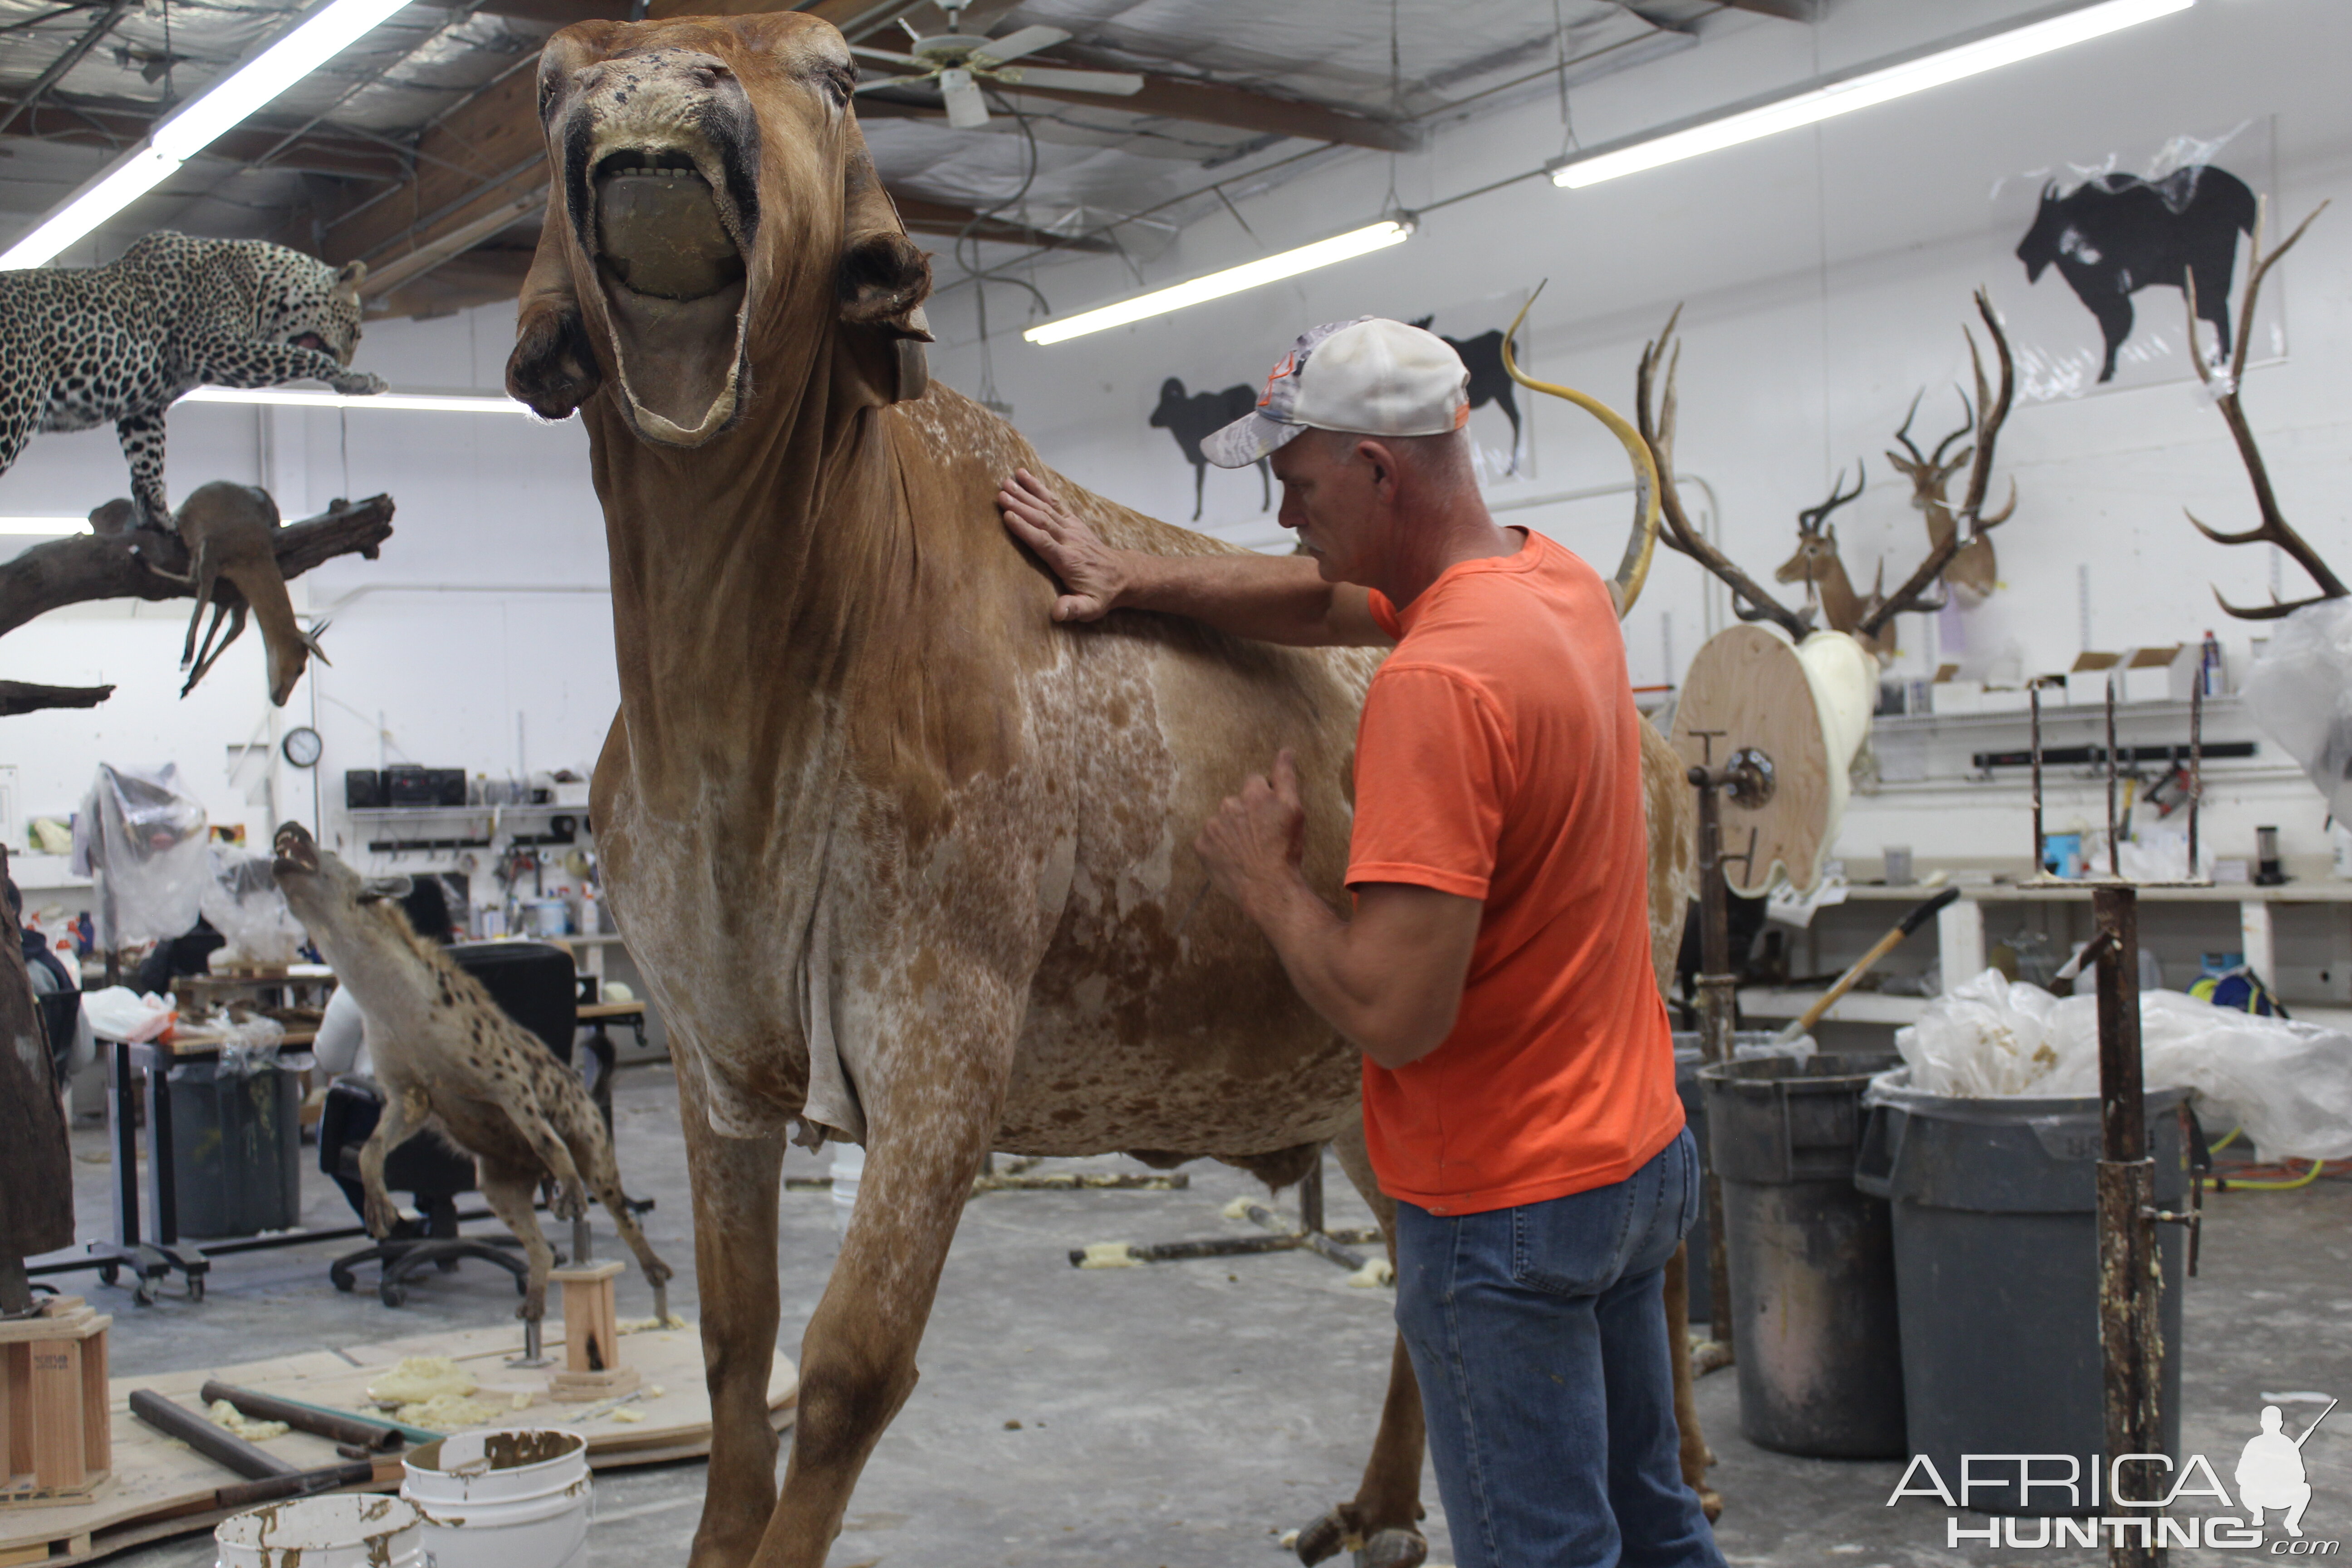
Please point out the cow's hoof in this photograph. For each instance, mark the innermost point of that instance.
(1395, 1548)
(1327, 1537)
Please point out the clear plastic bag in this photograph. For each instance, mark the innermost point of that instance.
(2300, 692)
(142, 837)
(2287, 1083)
(240, 898)
(119, 1012)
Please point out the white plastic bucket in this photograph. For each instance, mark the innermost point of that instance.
(348, 1531)
(515, 1499)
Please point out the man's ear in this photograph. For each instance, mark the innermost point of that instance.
(553, 368)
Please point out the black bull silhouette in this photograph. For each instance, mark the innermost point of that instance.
(2116, 234)
(1192, 417)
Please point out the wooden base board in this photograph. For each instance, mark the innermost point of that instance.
(160, 1490)
(587, 1388)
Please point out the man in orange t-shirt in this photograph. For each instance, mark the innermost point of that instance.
(1518, 1076)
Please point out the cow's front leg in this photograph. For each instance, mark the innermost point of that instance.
(735, 1181)
(929, 1126)
(1695, 1454)
(1384, 1519)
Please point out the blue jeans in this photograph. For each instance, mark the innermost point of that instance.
(1538, 1336)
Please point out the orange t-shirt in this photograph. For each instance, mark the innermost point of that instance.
(1497, 759)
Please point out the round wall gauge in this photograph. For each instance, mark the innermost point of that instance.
(302, 747)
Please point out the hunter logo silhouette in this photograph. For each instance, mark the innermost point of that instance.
(2271, 1473)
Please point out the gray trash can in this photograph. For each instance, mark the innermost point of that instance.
(1812, 1259)
(236, 1149)
(1997, 1276)
(1700, 1282)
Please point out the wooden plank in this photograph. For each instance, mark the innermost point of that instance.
(484, 151)
(159, 1491)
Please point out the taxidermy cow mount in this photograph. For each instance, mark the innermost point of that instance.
(2116, 234)
(1490, 382)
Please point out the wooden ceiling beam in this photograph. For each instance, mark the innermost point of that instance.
(1787, 10)
(925, 216)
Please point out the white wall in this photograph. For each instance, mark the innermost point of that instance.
(1825, 275)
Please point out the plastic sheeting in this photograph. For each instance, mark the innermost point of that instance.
(240, 897)
(2287, 1083)
(141, 836)
(2300, 692)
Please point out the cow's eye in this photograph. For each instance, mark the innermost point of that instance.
(837, 85)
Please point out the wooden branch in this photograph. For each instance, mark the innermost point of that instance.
(142, 563)
(25, 697)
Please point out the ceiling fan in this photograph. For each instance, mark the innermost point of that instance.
(959, 63)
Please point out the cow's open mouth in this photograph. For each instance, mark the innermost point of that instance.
(671, 272)
(295, 853)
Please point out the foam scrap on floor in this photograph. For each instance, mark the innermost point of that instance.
(1237, 1209)
(1373, 1275)
(449, 1412)
(641, 1325)
(416, 1379)
(230, 1418)
(1108, 1255)
(625, 1413)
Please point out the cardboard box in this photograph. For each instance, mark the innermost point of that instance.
(2157, 674)
(2086, 679)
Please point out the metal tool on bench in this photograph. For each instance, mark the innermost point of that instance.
(268, 1477)
(1919, 916)
(341, 1426)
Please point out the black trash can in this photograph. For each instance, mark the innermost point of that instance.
(237, 1140)
(1812, 1259)
(1997, 1275)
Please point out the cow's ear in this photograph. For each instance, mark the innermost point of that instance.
(553, 367)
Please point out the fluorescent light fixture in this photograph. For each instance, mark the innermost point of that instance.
(1232, 280)
(1876, 82)
(326, 34)
(390, 401)
(42, 527)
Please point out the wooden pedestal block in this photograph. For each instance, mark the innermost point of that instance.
(592, 1337)
(57, 1445)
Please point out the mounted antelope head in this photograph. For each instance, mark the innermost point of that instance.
(1815, 562)
(1973, 571)
(1816, 565)
(2273, 529)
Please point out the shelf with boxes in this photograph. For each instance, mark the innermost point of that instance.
(2297, 937)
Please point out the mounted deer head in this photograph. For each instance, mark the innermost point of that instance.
(1749, 602)
(1816, 565)
(2273, 529)
(1973, 571)
(1968, 519)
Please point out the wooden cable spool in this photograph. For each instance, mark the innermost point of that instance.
(1806, 711)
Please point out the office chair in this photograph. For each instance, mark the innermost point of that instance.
(533, 981)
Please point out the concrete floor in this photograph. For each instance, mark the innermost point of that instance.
(1184, 1414)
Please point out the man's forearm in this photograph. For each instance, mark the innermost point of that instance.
(1385, 1009)
(1272, 598)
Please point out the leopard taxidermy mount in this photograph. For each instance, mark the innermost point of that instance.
(123, 341)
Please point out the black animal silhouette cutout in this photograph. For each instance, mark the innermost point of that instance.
(1192, 417)
(2116, 234)
(1490, 382)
